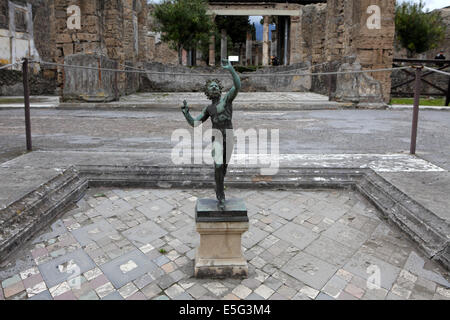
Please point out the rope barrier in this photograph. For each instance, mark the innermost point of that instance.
(281, 72)
(138, 70)
(438, 71)
(148, 72)
(8, 65)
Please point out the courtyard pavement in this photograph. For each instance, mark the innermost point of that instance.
(139, 244)
(376, 139)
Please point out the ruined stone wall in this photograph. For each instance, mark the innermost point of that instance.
(307, 34)
(374, 47)
(311, 35)
(113, 33)
(113, 29)
(97, 86)
(44, 28)
(160, 51)
(143, 39)
(296, 42)
(87, 39)
(128, 42)
(350, 32)
(165, 82)
(334, 28)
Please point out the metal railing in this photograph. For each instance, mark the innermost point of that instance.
(440, 65)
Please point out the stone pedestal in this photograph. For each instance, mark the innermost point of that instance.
(219, 254)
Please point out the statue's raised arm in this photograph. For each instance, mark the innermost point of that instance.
(236, 81)
(194, 122)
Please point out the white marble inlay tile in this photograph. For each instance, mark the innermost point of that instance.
(127, 267)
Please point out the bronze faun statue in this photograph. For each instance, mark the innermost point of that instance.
(221, 112)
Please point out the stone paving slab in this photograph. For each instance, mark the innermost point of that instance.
(93, 232)
(359, 263)
(310, 270)
(60, 269)
(127, 268)
(279, 267)
(346, 235)
(298, 236)
(144, 233)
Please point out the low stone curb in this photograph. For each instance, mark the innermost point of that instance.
(24, 218)
(410, 107)
(274, 105)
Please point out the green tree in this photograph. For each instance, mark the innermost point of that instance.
(183, 23)
(418, 30)
(236, 27)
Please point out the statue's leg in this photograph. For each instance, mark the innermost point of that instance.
(228, 147)
(217, 153)
(220, 193)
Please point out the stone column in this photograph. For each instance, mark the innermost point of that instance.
(223, 45)
(212, 51)
(256, 61)
(265, 57)
(274, 45)
(184, 57)
(248, 49)
(286, 41)
(212, 46)
(199, 61)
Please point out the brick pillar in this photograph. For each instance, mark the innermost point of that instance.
(184, 57)
(265, 57)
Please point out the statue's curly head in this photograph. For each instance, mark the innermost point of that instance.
(213, 89)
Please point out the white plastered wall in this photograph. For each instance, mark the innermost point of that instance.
(16, 45)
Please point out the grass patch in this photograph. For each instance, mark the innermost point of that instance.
(100, 195)
(423, 101)
(10, 100)
(241, 69)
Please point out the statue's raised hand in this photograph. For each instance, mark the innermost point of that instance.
(226, 64)
(185, 107)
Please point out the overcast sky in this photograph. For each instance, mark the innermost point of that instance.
(433, 4)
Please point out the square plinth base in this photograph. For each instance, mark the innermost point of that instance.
(220, 268)
(219, 254)
(207, 210)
